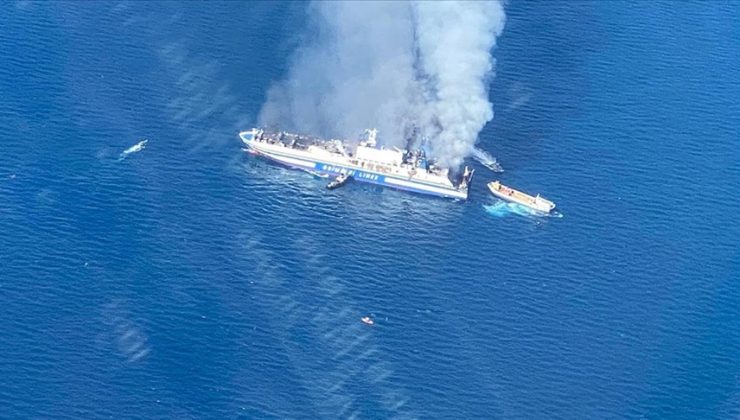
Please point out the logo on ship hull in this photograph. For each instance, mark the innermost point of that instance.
(351, 172)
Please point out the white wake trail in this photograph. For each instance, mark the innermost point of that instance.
(485, 159)
(133, 149)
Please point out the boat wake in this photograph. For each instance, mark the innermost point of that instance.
(317, 174)
(503, 209)
(133, 149)
(485, 159)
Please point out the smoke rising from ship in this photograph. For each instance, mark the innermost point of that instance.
(417, 70)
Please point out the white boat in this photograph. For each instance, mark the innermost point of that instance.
(509, 194)
(338, 181)
(138, 147)
(365, 162)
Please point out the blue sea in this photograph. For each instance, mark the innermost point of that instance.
(190, 280)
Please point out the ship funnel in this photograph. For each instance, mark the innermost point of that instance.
(372, 135)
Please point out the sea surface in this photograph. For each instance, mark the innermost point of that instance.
(190, 280)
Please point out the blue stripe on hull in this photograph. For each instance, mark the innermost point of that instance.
(355, 173)
(370, 178)
(358, 175)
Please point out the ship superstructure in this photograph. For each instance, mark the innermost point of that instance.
(364, 162)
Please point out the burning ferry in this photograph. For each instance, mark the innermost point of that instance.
(365, 162)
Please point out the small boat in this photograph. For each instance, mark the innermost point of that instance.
(138, 147)
(338, 181)
(367, 320)
(509, 194)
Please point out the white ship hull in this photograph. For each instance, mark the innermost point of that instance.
(335, 164)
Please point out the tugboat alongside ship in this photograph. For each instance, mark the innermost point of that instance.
(338, 181)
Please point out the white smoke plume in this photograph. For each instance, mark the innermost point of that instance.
(417, 69)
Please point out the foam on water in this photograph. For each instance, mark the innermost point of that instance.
(317, 174)
(503, 209)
